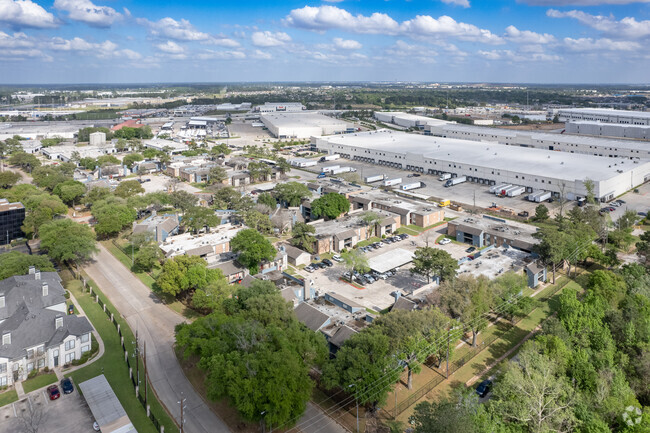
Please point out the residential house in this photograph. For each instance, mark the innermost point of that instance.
(296, 256)
(311, 317)
(161, 226)
(36, 331)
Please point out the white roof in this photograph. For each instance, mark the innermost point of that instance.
(105, 407)
(301, 119)
(543, 163)
(609, 112)
(390, 260)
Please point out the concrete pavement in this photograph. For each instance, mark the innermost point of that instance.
(155, 324)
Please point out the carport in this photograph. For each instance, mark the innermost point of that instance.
(105, 407)
(390, 260)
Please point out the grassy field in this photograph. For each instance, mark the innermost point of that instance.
(112, 364)
(368, 242)
(8, 397)
(38, 382)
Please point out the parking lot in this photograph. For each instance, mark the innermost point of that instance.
(160, 182)
(69, 413)
(377, 296)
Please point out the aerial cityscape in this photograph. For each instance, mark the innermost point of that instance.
(410, 216)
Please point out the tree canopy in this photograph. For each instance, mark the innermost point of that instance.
(331, 206)
(303, 236)
(17, 263)
(429, 261)
(183, 274)
(291, 193)
(67, 241)
(253, 249)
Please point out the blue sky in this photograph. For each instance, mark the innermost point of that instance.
(527, 41)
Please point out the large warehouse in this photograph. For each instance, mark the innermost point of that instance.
(491, 163)
(624, 117)
(303, 125)
(407, 120)
(611, 148)
(638, 132)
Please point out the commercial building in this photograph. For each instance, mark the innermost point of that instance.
(602, 115)
(584, 127)
(272, 107)
(491, 163)
(407, 120)
(489, 230)
(169, 146)
(206, 245)
(97, 139)
(38, 130)
(563, 142)
(31, 146)
(66, 153)
(303, 125)
(12, 216)
(36, 331)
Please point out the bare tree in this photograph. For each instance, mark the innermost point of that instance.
(32, 418)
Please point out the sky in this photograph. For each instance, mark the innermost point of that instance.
(152, 41)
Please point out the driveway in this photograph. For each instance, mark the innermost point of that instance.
(155, 323)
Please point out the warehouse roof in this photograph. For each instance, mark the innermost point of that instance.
(544, 163)
(301, 120)
(609, 112)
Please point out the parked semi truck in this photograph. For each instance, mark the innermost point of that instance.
(330, 157)
(455, 181)
(497, 189)
(331, 168)
(374, 178)
(391, 182)
(445, 176)
(413, 185)
(517, 191)
(340, 170)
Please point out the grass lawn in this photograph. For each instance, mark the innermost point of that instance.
(112, 364)
(39, 382)
(368, 242)
(406, 230)
(8, 397)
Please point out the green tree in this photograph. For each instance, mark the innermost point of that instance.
(463, 414)
(182, 200)
(128, 188)
(67, 241)
(643, 247)
(258, 221)
(41, 208)
(429, 261)
(70, 191)
(26, 161)
(253, 249)
(198, 217)
(9, 179)
(148, 255)
(96, 194)
(217, 175)
(183, 274)
(370, 220)
(291, 193)
(355, 260)
(283, 165)
(213, 295)
(131, 159)
(541, 212)
(17, 263)
(267, 199)
(84, 133)
(331, 206)
(303, 236)
(106, 160)
(112, 215)
(49, 177)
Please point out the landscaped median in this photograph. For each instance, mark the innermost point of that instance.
(112, 364)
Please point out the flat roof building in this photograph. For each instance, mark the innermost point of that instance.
(489, 163)
(272, 107)
(585, 127)
(303, 125)
(605, 115)
(168, 146)
(408, 120)
(596, 146)
(12, 216)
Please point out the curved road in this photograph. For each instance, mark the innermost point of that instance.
(155, 323)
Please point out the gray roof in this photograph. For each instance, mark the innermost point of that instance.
(229, 268)
(341, 335)
(534, 268)
(105, 406)
(28, 317)
(294, 252)
(313, 318)
(344, 300)
(403, 303)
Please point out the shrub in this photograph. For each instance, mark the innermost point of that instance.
(32, 374)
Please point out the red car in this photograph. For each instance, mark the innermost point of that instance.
(53, 392)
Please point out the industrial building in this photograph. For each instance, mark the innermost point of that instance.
(602, 115)
(407, 120)
(637, 132)
(303, 125)
(489, 230)
(562, 173)
(562, 142)
(167, 146)
(97, 139)
(272, 107)
(12, 216)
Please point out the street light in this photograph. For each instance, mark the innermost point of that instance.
(357, 402)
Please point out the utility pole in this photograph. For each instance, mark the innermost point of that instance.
(182, 404)
(144, 361)
(448, 343)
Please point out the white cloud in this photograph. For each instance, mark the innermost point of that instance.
(103, 50)
(347, 44)
(331, 17)
(463, 3)
(627, 27)
(269, 39)
(22, 54)
(17, 40)
(604, 44)
(222, 42)
(262, 55)
(170, 47)
(181, 30)
(579, 2)
(87, 12)
(221, 55)
(512, 56)
(25, 13)
(446, 26)
(528, 37)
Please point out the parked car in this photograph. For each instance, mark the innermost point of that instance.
(66, 385)
(643, 214)
(328, 263)
(381, 244)
(337, 258)
(95, 426)
(388, 240)
(620, 201)
(404, 236)
(362, 280)
(71, 309)
(310, 268)
(612, 209)
(484, 388)
(375, 245)
(444, 241)
(347, 275)
(369, 278)
(470, 250)
(53, 392)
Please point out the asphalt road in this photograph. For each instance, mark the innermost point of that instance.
(155, 324)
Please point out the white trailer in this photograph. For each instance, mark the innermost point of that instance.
(506, 191)
(543, 197)
(413, 185)
(374, 178)
(455, 181)
(517, 191)
(332, 157)
(503, 188)
(331, 168)
(391, 182)
(496, 189)
(343, 170)
(444, 176)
